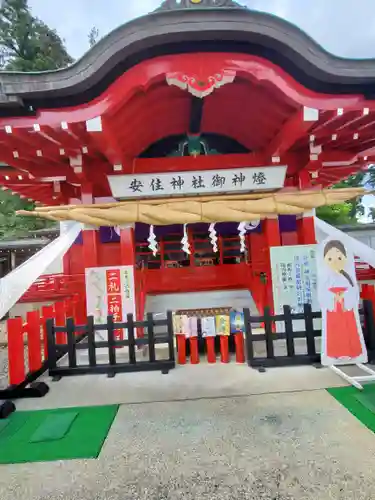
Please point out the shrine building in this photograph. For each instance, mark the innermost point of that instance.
(201, 100)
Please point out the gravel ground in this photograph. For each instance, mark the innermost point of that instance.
(3, 367)
(296, 446)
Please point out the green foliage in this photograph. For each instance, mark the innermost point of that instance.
(93, 36)
(12, 225)
(348, 213)
(26, 42)
(337, 214)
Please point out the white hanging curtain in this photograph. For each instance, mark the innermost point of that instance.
(16, 283)
(364, 252)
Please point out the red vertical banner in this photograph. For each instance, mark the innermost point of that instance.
(114, 298)
(113, 281)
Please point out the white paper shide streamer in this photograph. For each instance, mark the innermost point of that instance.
(153, 244)
(250, 226)
(242, 229)
(213, 237)
(185, 241)
(242, 232)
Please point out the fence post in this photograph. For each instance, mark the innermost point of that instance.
(16, 353)
(151, 337)
(131, 339)
(69, 308)
(240, 354)
(111, 341)
(269, 332)
(309, 323)
(224, 348)
(60, 321)
(72, 355)
(289, 331)
(194, 352)
(210, 347)
(368, 293)
(79, 310)
(91, 340)
(170, 336)
(248, 336)
(51, 342)
(34, 340)
(47, 313)
(369, 314)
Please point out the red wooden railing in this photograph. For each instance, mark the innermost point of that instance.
(368, 293)
(33, 331)
(55, 286)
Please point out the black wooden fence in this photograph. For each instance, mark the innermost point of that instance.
(271, 341)
(75, 342)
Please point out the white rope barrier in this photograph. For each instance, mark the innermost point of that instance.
(16, 283)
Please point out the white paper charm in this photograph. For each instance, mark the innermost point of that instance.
(213, 237)
(185, 241)
(242, 232)
(153, 244)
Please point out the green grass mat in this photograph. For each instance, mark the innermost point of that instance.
(62, 434)
(360, 403)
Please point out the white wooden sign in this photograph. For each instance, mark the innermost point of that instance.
(203, 182)
(294, 281)
(110, 291)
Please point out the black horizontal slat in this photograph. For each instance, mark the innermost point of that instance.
(296, 360)
(142, 366)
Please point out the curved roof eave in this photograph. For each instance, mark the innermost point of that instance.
(148, 36)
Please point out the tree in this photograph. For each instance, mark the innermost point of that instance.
(93, 36)
(26, 42)
(12, 225)
(348, 213)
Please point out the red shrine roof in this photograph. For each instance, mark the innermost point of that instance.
(262, 90)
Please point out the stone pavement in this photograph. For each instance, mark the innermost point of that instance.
(182, 383)
(287, 446)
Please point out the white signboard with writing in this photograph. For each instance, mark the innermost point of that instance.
(110, 291)
(294, 281)
(203, 182)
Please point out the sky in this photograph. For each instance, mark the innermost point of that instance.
(344, 27)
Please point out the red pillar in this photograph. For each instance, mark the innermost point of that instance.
(272, 232)
(90, 247)
(89, 234)
(272, 237)
(306, 229)
(127, 245)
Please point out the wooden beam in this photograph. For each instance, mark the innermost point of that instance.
(103, 138)
(330, 120)
(30, 146)
(293, 129)
(210, 162)
(196, 115)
